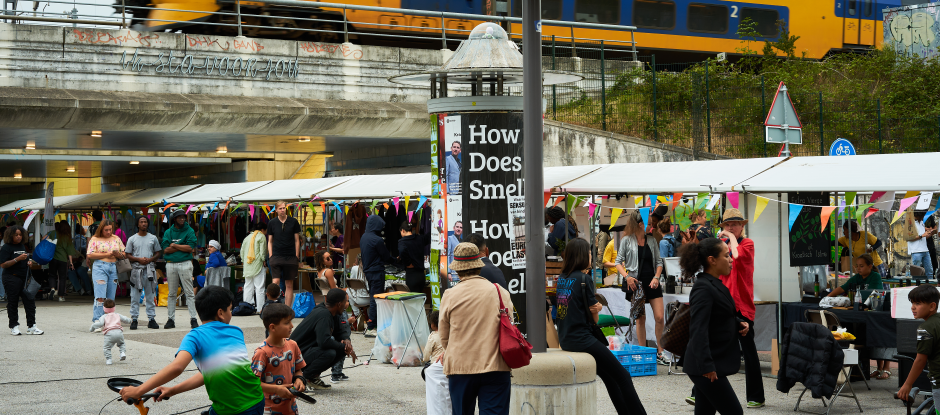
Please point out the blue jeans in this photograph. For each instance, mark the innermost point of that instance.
(80, 279)
(105, 276)
(254, 410)
(922, 259)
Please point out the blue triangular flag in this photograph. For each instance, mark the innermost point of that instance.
(794, 213)
(645, 214)
(421, 200)
(337, 206)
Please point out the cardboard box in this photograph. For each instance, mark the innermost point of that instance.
(774, 357)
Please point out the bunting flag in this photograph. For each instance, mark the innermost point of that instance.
(408, 204)
(421, 200)
(929, 213)
(712, 201)
(548, 196)
(824, 217)
(875, 196)
(651, 201)
(841, 206)
(733, 199)
(572, 201)
(761, 205)
(557, 201)
(29, 219)
(237, 206)
(591, 208)
(336, 205)
(701, 199)
(910, 193)
(226, 204)
(871, 211)
(923, 201)
(645, 214)
(614, 215)
(251, 211)
(188, 208)
(905, 203)
(410, 213)
(861, 210)
(153, 204)
(676, 199)
(264, 208)
(395, 201)
(794, 213)
(850, 198)
(346, 210)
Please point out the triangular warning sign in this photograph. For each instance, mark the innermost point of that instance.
(782, 113)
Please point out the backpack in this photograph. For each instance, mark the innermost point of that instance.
(244, 309)
(44, 252)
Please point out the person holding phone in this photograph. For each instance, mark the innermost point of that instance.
(15, 263)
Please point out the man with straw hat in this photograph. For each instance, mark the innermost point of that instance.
(469, 330)
(741, 285)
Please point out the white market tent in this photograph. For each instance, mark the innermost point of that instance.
(869, 173)
(96, 199)
(671, 177)
(20, 203)
(556, 176)
(149, 196)
(216, 192)
(379, 187)
(57, 201)
(293, 189)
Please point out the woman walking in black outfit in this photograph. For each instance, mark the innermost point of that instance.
(411, 255)
(713, 352)
(575, 306)
(15, 264)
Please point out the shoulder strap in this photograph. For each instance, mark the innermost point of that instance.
(500, 295)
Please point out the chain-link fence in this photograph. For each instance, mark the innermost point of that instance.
(694, 106)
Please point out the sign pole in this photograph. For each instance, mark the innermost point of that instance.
(532, 156)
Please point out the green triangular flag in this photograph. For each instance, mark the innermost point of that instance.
(850, 198)
(861, 211)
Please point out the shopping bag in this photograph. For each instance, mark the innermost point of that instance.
(514, 348)
(43, 252)
(162, 291)
(303, 304)
(910, 229)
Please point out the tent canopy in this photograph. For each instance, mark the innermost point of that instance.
(216, 192)
(57, 201)
(378, 187)
(672, 177)
(292, 189)
(555, 176)
(98, 199)
(877, 172)
(20, 204)
(150, 196)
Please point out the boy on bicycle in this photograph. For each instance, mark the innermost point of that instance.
(221, 357)
(924, 300)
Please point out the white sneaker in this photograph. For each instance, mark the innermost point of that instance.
(123, 356)
(61, 299)
(34, 330)
(97, 330)
(107, 362)
(16, 331)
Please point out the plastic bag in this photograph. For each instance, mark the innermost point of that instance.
(841, 334)
(829, 302)
(303, 304)
(43, 252)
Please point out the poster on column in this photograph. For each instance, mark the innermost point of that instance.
(454, 229)
(808, 245)
(491, 179)
(453, 157)
(438, 227)
(436, 170)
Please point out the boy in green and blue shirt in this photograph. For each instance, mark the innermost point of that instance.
(221, 357)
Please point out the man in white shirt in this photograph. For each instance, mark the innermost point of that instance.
(920, 255)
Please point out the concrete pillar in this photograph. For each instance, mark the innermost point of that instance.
(556, 382)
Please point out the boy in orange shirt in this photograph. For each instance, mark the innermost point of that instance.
(278, 361)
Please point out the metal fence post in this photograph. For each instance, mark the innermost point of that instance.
(655, 130)
(443, 33)
(708, 111)
(238, 10)
(554, 90)
(938, 130)
(345, 27)
(603, 90)
(821, 151)
(763, 109)
(880, 149)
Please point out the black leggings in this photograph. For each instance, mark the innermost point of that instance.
(13, 284)
(616, 379)
(717, 396)
(58, 276)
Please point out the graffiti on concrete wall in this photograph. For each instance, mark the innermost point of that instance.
(914, 30)
(185, 64)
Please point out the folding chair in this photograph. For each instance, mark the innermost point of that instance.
(851, 358)
(357, 284)
(323, 285)
(831, 322)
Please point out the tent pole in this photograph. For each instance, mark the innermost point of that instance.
(780, 269)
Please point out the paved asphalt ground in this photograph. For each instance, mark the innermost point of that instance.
(63, 372)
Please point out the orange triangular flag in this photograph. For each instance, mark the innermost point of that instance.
(386, 205)
(557, 201)
(548, 196)
(824, 217)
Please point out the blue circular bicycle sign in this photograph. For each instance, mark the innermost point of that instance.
(841, 147)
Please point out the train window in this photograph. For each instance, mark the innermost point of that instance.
(868, 8)
(654, 14)
(708, 18)
(551, 9)
(597, 11)
(852, 7)
(766, 20)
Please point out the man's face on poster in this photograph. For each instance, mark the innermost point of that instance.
(458, 228)
(455, 148)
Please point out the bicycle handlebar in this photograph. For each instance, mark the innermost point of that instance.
(143, 398)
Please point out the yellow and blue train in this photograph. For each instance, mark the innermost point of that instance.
(700, 26)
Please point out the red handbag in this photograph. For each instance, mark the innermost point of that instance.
(516, 351)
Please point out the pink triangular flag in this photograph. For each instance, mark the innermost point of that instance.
(409, 215)
(733, 199)
(591, 208)
(906, 203)
(251, 211)
(395, 201)
(824, 216)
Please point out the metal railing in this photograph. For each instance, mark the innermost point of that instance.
(350, 28)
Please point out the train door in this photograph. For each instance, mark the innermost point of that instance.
(866, 28)
(851, 13)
